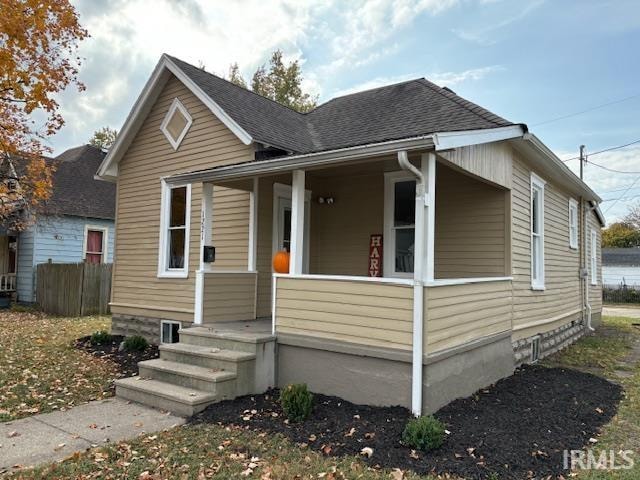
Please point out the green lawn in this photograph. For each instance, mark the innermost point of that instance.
(210, 451)
(41, 371)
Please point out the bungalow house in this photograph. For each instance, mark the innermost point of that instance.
(433, 245)
(75, 224)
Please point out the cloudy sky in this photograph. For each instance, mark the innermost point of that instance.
(532, 61)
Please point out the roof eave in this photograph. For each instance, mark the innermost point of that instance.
(549, 161)
(304, 161)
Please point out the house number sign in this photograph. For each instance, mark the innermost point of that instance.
(375, 256)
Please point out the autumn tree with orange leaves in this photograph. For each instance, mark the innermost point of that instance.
(38, 59)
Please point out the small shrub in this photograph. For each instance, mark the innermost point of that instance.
(135, 343)
(101, 337)
(424, 433)
(296, 402)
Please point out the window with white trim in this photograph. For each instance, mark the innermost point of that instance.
(176, 123)
(537, 232)
(95, 244)
(174, 231)
(169, 331)
(594, 257)
(573, 223)
(400, 211)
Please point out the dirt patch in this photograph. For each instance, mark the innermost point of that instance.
(517, 428)
(127, 362)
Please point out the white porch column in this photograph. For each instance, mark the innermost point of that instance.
(253, 227)
(297, 223)
(428, 167)
(206, 234)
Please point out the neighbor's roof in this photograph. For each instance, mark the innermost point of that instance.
(621, 257)
(403, 110)
(75, 190)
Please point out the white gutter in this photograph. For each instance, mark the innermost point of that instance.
(418, 284)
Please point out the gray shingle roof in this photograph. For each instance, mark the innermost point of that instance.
(75, 191)
(621, 257)
(404, 110)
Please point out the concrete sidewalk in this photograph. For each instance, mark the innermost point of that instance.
(621, 311)
(53, 436)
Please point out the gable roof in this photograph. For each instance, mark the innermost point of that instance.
(416, 114)
(76, 191)
(394, 112)
(403, 110)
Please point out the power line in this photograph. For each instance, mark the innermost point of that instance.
(603, 151)
(622, 196)
(586, 110)
(612, 169)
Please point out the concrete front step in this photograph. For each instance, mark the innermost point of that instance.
(205, 356)
(220, 382)
(174, 398)
(225, 339)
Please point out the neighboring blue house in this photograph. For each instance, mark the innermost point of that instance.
(75, 225)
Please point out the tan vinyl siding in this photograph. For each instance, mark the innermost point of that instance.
(470, 227)
(230, 227)
(361, 312)
(150, 157)
(340, 233)
(458, 314)
(538, 311)
(491, 161)
(229, 297)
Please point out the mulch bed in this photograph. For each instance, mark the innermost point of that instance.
(517, 428)
(127, 362)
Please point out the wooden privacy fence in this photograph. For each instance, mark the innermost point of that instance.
(73, 289)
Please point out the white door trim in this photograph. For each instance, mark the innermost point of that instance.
(389, 240)
(284, 191)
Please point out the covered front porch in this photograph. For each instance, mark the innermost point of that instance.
(406, 253)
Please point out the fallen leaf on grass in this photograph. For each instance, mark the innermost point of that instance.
(397, 474)
(367, 452)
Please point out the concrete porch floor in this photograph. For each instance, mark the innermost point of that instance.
(261, 326)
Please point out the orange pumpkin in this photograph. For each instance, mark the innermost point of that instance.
(281, 262)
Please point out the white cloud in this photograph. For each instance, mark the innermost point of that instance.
(440, 78)
(362, 27)
(485, 33)
(128, 37)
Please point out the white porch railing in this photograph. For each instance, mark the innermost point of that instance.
(7, 282)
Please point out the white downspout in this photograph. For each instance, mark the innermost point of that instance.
(418, 284)
(587, 264)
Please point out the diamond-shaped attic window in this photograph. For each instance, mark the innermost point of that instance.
(176, 123)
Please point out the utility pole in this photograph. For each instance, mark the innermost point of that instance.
(583, 160)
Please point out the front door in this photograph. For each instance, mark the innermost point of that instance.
(282, 223)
